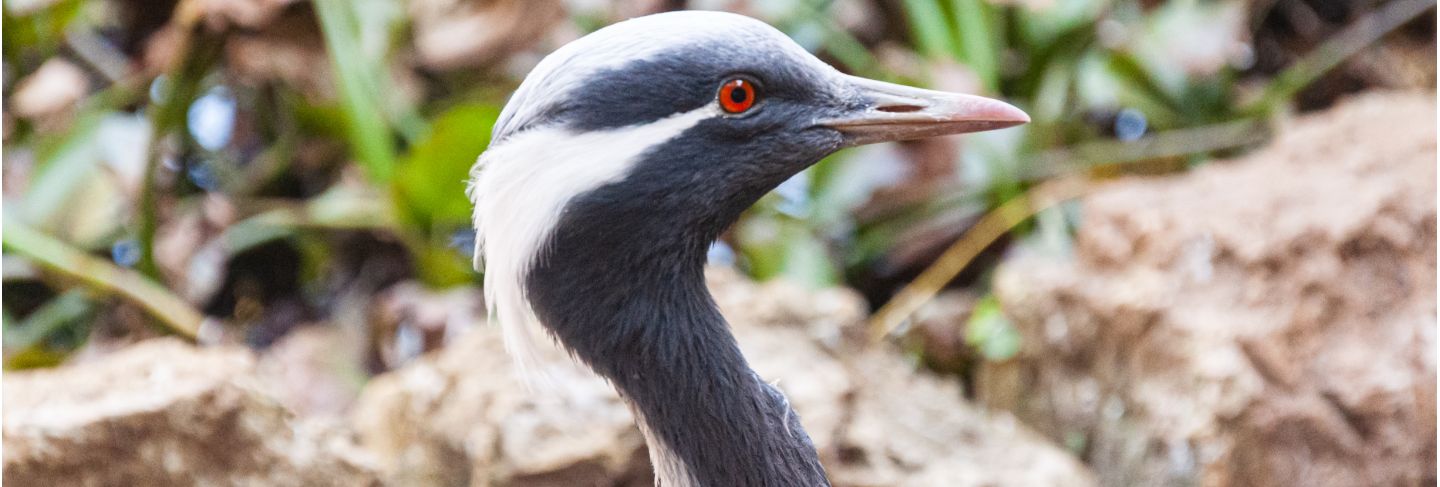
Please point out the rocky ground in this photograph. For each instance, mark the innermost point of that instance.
(1263, 321)
(463, 417)
(166, 413)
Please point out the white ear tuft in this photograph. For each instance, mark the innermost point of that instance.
(520, 188)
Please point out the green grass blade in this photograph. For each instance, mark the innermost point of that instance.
(1357, 36)
(976, 40)
(67, 309)
(367, 133)
(59, 256)
(928, 27)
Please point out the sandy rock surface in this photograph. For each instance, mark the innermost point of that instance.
(166, 413)
(1263, 321)
(462, 417)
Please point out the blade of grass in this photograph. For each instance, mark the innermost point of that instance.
(1170, 143)
(65, 309)
(58, 256)
(976, 38)
(1067, 48)
(850, 51)
(1354, 38)
(198, 51)
(335, 209)
(1126, 67)
(61, 171)
(365, 128)
(959, 255)
(928, 27)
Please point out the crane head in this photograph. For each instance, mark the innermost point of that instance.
(636, 145)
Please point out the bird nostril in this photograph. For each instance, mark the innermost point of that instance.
(904, 108)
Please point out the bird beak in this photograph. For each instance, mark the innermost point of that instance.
(896, 112)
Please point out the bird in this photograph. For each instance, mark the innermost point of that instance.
(613, 167)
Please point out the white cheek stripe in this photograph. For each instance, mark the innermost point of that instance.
(520, 188)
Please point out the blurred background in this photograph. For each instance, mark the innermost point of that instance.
(1215, 200)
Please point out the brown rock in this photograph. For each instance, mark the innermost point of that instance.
(314, 370)
(462, 417)
(1263, 321)
(166, 413)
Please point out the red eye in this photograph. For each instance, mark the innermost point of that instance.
(737, 95)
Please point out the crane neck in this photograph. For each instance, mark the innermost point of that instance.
(647, 323)
(620, 282)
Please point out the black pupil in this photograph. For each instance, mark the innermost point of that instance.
(738, 94)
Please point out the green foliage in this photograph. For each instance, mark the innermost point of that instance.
(70, 311)
(61, 172)
(360, 75)
(928, 26)
(430, 183)
(429, 189)
(779, 246)
(990, 332)
(968, 31)
(427, 184)
(977, 36)
(1068, 64)
(32, 37)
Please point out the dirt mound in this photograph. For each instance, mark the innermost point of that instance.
(166, 413)
(1263, 321)
(462, 417)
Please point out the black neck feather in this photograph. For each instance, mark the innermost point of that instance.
(671, 355)
(621, 285)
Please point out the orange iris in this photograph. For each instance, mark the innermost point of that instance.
(737, 95)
